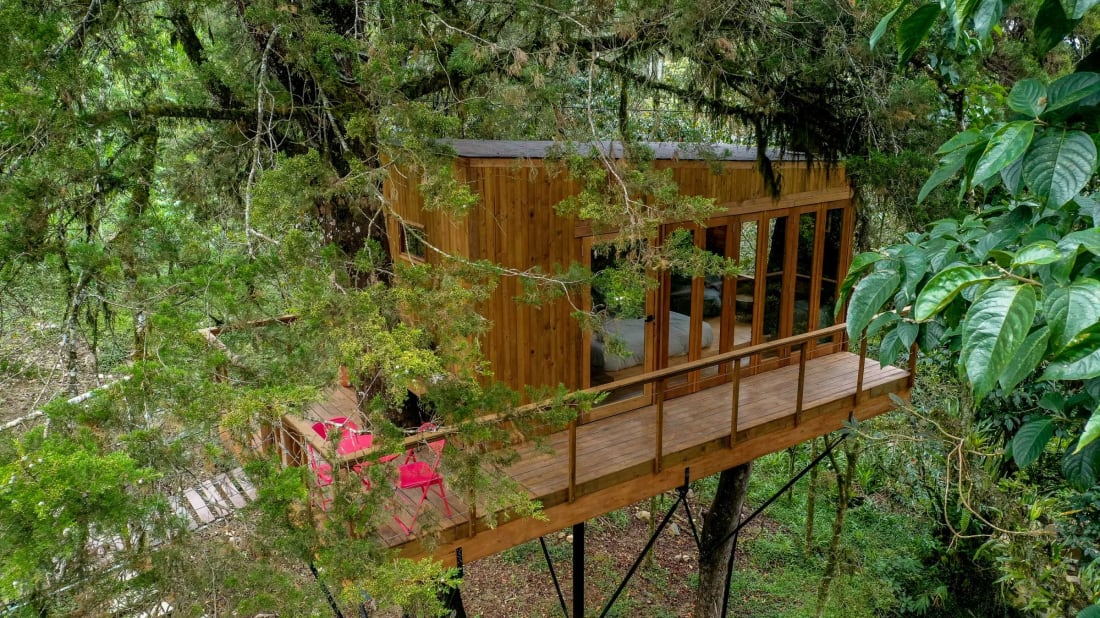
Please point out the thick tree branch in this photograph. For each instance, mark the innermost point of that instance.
(171, 110)
(196, 53)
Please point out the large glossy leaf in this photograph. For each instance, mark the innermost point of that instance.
(1037, 253)
(1089, 239)
(1080, 360)
(1028, 97)
(859, 264)
(1059, 164)
(1007, 144)
(1026, 359)
(1031, 439)
(1051, 26)
(963, 10)
(915, 263)
(884, 23)
(944, 287)
(987, 15)
(1076, 9)
(1091, 431)
(913, 29)
(1071, 89)
(1012, 177)
(868, 297)
(1092, 611)
(1071, 309)
(994, 329)
(1081, 468)
(967, 138)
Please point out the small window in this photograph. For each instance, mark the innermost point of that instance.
(413, 241)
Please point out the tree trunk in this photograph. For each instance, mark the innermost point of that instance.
(811, 502)
(844, 491)
(720, 521)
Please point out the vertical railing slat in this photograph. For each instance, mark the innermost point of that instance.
(660, 433)
(862, 366)
(801, 383)
(572, 460)
(736, 397)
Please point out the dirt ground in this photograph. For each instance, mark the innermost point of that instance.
(517, 582)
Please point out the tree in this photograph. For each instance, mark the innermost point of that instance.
(172, 164)
(1008, 289)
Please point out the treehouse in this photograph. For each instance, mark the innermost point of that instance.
(702, 373)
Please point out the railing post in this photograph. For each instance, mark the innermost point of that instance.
(736, 396)
(862, 366)
(660, 433)
(801, 383)
(572, 460)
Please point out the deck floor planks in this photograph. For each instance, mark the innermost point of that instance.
(615, 449)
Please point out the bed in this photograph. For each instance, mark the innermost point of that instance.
(631, 334)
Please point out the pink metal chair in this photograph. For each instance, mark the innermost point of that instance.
(322, 469)
(417, 474)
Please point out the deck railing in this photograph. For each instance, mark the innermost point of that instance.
(294, 437)
(660, 379)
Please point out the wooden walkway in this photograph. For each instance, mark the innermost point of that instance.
(616, 456)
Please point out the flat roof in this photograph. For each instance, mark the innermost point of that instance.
(519, 149)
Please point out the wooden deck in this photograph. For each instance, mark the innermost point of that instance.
(616, 463)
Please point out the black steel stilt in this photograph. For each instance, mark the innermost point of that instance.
(578, 570)
(681, 499)
(453, 599)
(554, 577)
(760, 509)
(324, 588)
(687, 510)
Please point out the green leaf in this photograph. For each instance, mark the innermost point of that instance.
(987, 16)
(948, 167)
(1076, 9)
(881, 320)
(1079, 360)
(868, 296)
(1091, 431)
(1071, 89)
(1092, 611)
(883, 23)
(913, 29)
(961, 140)
(963, 10)
(1037, 253)
(1051, 25)
(1028, 97)
(859, 264)
(1089, 239)
(1059, 164)
(1026, 359)
(944, 287)
(1013, 177)
(994, 329)
(1081, 468)
(1031, 439)
(1007, 144)
(1071, 309)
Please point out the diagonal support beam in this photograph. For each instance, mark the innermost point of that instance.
(681, 499)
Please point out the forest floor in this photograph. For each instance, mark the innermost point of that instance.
(517, 582)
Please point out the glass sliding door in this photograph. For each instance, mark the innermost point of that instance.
(620, 343)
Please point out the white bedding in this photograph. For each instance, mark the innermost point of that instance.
(631, 334)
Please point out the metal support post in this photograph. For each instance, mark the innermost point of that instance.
(554, 577)
(578, 570)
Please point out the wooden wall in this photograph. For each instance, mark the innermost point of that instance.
(515, 226)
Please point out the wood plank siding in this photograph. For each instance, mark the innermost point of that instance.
(515, 225)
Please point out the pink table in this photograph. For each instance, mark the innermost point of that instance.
(351, 442)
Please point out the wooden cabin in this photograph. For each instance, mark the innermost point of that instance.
(793, 251)
(705, 373)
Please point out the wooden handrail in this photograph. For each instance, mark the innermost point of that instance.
(703, 363)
